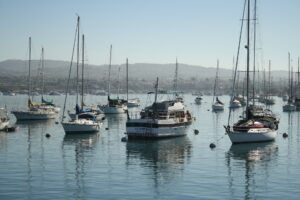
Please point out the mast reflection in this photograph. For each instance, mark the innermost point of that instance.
(244, 161)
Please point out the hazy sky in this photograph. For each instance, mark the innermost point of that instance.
(198, 32)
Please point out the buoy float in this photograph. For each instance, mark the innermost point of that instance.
(212, 145)
(56, 122)
(106, 128)
(285, 135)
(196, 131)
(48, 135)
(124, 139)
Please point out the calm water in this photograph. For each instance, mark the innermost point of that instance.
(100, 166)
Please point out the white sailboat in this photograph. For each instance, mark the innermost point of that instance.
(113, 106)
(257, 125)
(217, 104)
(290, 106)
(235, 104)
(4, 119)
(34, 112)
(81, 123)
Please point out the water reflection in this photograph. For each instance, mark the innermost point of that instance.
(164, 158)
(116, 121)
(77, 151)
(244, 161)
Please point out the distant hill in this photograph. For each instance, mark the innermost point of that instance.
(59, 69)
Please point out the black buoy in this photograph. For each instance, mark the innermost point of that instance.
(285, 135)
(212, 145)
(106, 128)
(103, 118)
(207, 109)
(124, 139)
(48, 135)
(56, 122)
(196, 131)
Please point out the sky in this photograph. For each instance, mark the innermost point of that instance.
(197, 32)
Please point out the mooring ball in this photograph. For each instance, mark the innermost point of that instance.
(196, 131)
(106, 128)
(56, 122)
(48, 135)
(285, 135)
(124, 139)
(212, 145)
(207, 109)
(103, 118)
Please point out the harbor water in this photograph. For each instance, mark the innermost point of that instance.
(101, 166)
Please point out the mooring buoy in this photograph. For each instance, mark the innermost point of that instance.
(212, 145)
(285, 135)
(48, 135)
(124, 139)
(196, 131)
(106, 128)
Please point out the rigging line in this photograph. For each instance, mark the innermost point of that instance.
(70, 70)
(237, 59)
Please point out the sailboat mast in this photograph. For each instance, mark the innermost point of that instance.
(175, 78)
(248, 54)
(156, 90)
(118, 82)
(269, 92)
(298, 72)
(43, 75)
(82, 73)
(77, 65)
(109, 69)
(29, 66)
(289, 63)
(216, 82)
(127, 78)
(254, 57)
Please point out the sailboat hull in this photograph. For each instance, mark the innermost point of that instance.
(81, 126)
(253, 135)
(114, 110)
(139, 128)
(34, 115)
(217, 107)
(289, 108)
(3, 124)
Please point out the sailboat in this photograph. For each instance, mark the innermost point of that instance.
(269, 100)
(45, 104)
(217, 104)
(161, 119)
(290, 107)
(133, 102)
(113, 106)
(4, 119)
(34, 112)
(83, 122)
(257, 125)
